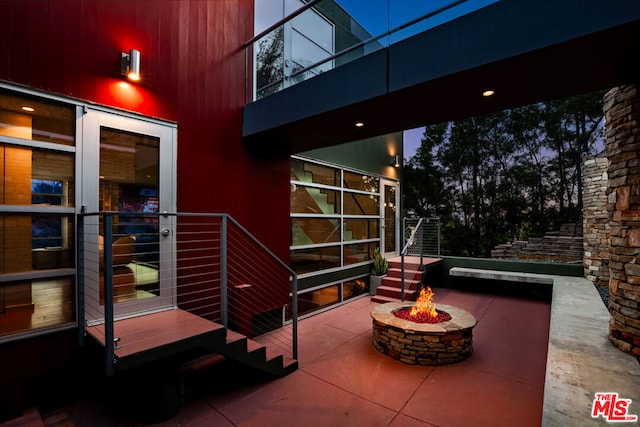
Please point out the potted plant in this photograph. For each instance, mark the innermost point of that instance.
(378, 271)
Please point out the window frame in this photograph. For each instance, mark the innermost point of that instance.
(341, 216)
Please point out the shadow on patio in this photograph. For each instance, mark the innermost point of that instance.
(343, 380)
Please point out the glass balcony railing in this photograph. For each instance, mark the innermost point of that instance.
(320, 35)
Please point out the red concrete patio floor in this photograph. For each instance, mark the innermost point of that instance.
(343, 380)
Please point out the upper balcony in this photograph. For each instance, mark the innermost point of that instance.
(399, 64)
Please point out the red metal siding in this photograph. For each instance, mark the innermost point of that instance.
(193, 70)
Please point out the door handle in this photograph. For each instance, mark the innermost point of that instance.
(165, 232)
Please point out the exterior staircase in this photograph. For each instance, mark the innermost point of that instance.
(190, 338)
(256, 355)
(390, 289)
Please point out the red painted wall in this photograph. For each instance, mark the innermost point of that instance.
(193, 71)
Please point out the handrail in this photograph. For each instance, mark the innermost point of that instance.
(418, 232)
(200, 237)
(352, 48)
(403, 253)
(376, 38)
(282, 21)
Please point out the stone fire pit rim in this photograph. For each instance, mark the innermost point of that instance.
(460, 319)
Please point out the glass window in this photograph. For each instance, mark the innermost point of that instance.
(31, 118)
(307, 231)
(316, 259)
(330, 205)
(37, 241)
(358, 252)
(32, 176)
(356, 181)
(361, 229)
(314, 173)
(315, 300)
(361, 204)
(30, 305)
(311, 200)
(353, 288)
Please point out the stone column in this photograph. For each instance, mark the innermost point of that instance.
(595, 219)
(622, 115)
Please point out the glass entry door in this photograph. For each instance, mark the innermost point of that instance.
(128, 174)
(390, 216)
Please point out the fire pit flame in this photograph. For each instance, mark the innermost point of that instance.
(425, 304)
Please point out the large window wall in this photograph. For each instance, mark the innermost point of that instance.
(335, 225)
(37, 210)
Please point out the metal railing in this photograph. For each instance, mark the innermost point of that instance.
(422, 238)
(131, 264)
(325, 34)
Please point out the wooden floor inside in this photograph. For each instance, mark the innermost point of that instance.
(148, 332)
(52, 305)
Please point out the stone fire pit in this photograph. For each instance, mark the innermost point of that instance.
(423, 343)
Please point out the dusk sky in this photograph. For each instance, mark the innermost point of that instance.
(412, 139)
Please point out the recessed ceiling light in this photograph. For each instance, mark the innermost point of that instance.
(28, 109)
(488, 92)
(359, 124)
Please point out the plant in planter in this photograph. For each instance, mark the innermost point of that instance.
(378, 271)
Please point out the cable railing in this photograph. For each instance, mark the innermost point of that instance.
(321, 35)
(422, 239)
(207, 265)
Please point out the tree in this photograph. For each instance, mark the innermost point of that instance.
(504, 176)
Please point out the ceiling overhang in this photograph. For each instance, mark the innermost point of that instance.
(439, 75)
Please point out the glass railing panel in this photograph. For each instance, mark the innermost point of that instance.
(329, 33)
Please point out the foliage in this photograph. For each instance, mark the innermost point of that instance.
(500, 177)
(380, 264)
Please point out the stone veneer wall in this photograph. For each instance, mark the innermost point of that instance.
(622, 127)
(595, 220)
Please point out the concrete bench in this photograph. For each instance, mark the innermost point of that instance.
(509, 276)
(581, 361)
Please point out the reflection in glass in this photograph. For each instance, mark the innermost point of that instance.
(356, 181)
(36, 119)
(308, 231)
(30, 305)
(361, 204)
(314, 300)
(359, 252)
(129, 184)
(35, 242)
(361, 229)
(314, 173)
(354, 288)
(390, 218)
(311, 200)
(36, 177)
(309, 260)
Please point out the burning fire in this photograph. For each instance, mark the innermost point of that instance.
(425, 304)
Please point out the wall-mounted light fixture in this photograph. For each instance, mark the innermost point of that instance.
(395, 161)
(130, 65)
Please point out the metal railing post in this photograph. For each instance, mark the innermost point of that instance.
(108, 294)
(422, 228)
(294, 316)
(80, 278)
(402, 276)
(438, 238)
(224, 301)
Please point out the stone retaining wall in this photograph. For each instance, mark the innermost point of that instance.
(622, 117)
